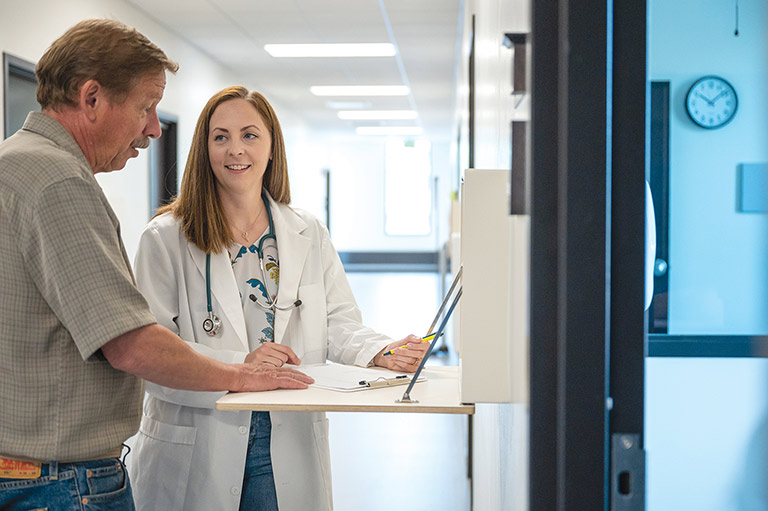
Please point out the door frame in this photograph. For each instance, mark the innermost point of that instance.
(588, 154)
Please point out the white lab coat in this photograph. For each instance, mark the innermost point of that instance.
(189, 456)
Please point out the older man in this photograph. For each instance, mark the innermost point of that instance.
(77, 335)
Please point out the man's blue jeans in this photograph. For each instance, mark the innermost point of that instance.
(258, 481)
(97, 485)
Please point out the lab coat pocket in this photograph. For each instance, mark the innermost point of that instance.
(324, 456)
(162, 464)
(312, 317)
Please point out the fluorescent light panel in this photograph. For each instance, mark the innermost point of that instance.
(359, 90)
(389, 130)
(370, 115)
(331, 50)
(348, 105)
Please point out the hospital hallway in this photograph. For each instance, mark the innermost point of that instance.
(399, 461)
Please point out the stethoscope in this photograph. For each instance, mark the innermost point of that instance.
(212, 324)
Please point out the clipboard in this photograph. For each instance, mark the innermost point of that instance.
(345, 378)
(401, 379)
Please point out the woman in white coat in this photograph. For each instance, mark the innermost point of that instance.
(242, 276)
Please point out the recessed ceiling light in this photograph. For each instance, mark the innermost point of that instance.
(389, 130)
(359, 90)
(369, 115)
(331, 50)
(348, 105)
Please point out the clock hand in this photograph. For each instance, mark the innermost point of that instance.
(718, 96)
(710, 102)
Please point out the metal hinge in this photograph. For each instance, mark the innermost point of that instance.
(627, 473)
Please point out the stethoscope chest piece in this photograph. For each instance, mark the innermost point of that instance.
(212, 324)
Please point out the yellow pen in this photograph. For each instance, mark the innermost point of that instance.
(423, 339)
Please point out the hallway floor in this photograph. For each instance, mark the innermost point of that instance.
(403, 461)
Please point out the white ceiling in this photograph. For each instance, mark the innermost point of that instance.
(424, 32)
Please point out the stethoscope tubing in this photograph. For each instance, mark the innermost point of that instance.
(212, 324)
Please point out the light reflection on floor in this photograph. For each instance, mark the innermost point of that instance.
(403, 461)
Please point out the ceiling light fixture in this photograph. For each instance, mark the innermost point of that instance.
(389, 130)
(371, 115)
(330, 50)
(359, 90)
(348, 105)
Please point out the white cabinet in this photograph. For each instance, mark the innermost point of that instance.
(494, 303)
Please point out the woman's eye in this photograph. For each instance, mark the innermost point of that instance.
(218, 138)
(251, 136)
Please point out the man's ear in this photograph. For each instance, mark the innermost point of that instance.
(92, 98)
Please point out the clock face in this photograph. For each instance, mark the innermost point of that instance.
(711, 102)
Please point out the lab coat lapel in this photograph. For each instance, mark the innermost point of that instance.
(223, 290)
(292, 249)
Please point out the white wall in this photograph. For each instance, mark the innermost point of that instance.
(500, 435)
(706, 431)
(495, 107)
(706, 435)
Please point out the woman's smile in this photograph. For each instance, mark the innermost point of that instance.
(237, 167)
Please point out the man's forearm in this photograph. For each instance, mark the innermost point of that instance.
(156, 354)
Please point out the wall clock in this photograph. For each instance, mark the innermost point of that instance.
(711, 102)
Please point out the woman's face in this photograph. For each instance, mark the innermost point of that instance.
(239, 147)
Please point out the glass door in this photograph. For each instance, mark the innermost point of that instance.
(706, 418)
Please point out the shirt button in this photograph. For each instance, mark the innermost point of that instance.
(243, 430)
(235, 490)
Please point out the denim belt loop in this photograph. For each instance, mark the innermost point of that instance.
(53, 470)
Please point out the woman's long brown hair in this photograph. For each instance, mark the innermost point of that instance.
(198, 206)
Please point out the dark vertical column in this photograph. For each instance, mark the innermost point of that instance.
(630, 151)
(584, 216)
(544, 222)
(629, 169)
(570, 255)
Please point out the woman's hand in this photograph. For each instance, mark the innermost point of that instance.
(271, 354)
(405, 359)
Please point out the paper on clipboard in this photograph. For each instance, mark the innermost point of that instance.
(344, 378)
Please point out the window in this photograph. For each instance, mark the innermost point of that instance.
(407, 188)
